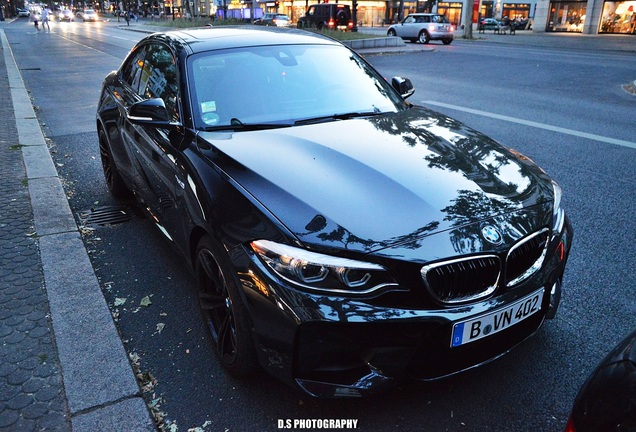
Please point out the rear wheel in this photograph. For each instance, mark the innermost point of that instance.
(114, 181)
(223, 310)
(424, 37)
(447, 41)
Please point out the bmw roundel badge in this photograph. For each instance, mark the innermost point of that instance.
(491, 234)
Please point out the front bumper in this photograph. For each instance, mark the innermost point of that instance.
(332, 346)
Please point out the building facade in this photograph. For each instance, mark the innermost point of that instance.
(583, 16)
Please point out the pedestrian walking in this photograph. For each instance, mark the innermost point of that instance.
(46, 12)
(36, 21)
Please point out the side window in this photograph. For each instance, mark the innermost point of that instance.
(409, 20)
(159, 78)
(132, 71)
(311, 11)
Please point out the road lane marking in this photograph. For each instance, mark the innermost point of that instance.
(557, 129)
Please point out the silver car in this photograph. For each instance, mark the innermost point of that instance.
(423, 27)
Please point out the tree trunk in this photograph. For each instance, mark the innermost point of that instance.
(468, 21)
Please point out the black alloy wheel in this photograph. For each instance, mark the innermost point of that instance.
(114, 181)
(424, 37)
(222, 309)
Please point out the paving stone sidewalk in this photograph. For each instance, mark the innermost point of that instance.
(62, 364)
(31, 390)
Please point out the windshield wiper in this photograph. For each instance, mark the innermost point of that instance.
(345, 116)
(246, 127)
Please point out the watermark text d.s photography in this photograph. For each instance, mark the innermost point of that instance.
(317, 424)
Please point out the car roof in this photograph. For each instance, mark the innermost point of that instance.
(206, 39)
(424, 14)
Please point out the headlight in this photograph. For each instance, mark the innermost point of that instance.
(558, 215)
(318, 272)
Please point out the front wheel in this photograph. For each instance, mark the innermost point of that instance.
(391, 32)
(222, 308)
(424, 37)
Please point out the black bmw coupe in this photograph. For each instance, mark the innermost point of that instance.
(341, 237)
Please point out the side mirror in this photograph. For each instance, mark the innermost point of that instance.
(150, 112)
(404, 86)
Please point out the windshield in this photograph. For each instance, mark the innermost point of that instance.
(285, 85)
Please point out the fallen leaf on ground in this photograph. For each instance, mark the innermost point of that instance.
(120, 301)
(145, 301)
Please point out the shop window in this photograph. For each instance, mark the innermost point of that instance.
(619, 17)
(567, 16)
(453, 12)
(518, 11)
(487, 9)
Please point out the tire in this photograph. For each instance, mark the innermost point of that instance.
(447, 41)
(423, 37)
(113, 178)
(222, 309)
(391, 32)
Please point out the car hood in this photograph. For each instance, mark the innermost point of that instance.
(379, 182)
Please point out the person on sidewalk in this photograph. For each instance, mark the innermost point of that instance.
(36, 21)
(46, 12)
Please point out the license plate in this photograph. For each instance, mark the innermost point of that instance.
(486, 325)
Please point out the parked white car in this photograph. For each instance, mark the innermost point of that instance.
(423, 27)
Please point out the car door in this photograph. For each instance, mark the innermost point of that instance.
(156, 155)
(120, 133)
(405, 28)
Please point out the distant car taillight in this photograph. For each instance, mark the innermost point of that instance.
(350, 25)
(332, 23)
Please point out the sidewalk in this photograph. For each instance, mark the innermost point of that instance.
(63, 366)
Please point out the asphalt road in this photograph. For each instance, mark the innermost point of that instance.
(563, 108)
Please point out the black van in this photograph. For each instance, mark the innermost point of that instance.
(327, 16)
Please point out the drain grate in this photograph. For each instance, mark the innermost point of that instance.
(104, 216)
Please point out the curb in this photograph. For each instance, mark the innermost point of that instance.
(379, 42)
(98, 380)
